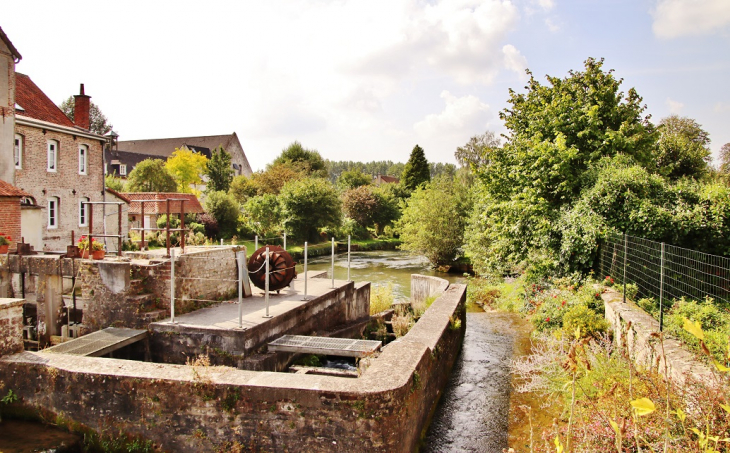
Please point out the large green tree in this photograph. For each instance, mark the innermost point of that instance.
(264, 215)
(476, 151)
(353, 178)
(98, 122)
(683, 148)
(309, 205)
(725, 158)
(309, 160)
(224, 209)
(416, 171)
(150, 175)
(558, 134)
(433, 221)
(219, 170)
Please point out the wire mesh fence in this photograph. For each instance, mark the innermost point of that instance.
(665, 271)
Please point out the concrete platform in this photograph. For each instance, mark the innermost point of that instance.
(253, 309)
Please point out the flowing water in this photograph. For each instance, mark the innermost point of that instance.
(473, 413)
(385, 267)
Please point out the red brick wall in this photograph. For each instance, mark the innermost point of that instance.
(10, 218)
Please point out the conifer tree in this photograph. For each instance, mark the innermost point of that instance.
(219, 171)
(416, 171)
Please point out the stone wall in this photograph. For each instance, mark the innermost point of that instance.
(646, 350)
(423, 287)
(174, 343)
(11, 326)
(193, 409)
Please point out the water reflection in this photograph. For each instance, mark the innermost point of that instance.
(381, 267)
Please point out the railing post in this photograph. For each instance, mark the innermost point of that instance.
(661, 292)
(266, 285)
(348, 257)
(255, 242)
(239, 258)
(167, 228)
(284, 241)
(119, 229)
(305, 271)
(182, 225)
(142, 222)
(172, 286)
(626, 242)
(333, 262)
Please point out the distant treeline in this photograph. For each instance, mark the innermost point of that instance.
(381, 167)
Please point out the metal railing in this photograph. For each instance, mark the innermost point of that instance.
(665, 271)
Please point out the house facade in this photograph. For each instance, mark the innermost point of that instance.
(122, 160)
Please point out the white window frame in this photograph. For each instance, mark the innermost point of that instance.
(18, 145)
(53, 203)
(84, 212)
(122, 169)
(52, 154)
(83, 159)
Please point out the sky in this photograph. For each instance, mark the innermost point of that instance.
(362, 80)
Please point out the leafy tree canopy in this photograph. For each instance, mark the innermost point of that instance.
(150, 175)
(309, 160)
(725, 158)
(433, 221)
(683, 148)
(308, 205)
(219, 170)
(224, 209)
(475, 153)
(416, 171)
(264, 215)
(353, 178)
(98, 123)
(186, 167)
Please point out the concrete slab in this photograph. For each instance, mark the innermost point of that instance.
(225, 315)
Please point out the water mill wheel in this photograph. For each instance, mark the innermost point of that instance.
(281, 268)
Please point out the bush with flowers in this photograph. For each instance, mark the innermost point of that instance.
(95, 245)
(5, 239)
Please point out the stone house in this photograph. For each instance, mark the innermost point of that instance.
(57, 162)
(129, 153)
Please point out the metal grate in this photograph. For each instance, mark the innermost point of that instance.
(99, 343)
(345, 347)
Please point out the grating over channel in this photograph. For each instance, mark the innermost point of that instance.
(343, 347)
(99, 343)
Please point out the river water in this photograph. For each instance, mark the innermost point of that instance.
(473, 413)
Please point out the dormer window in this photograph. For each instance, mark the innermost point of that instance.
(52, 156)
(83, 157)
(18, 151)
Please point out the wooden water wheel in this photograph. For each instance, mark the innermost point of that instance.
(281, 268)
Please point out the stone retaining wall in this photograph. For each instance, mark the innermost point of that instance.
(646, 350)
(193, 409)
(11, 326)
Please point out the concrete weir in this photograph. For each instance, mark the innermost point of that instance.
(241, 399)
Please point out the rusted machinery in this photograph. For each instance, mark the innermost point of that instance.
(281, 268)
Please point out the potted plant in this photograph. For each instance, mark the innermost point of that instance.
(96, 249)
(4, 243)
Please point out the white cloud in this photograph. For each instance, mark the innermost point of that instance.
(551, 25)
(515, 61)
(674, 18)
(722, 107)
(675, 107)
(547, 5)
(457, 38)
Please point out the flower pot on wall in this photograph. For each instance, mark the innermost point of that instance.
(98, 254)
(85, 254)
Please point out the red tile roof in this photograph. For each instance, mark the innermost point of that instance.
(36, 104)
(118, 195)
(9, 190)
(156, 203)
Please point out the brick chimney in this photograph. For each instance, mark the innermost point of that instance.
(81, 109)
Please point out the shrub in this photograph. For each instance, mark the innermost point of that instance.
(381, 298)
(162, 221)
(589, 322)
(210, 224)
(224, 209)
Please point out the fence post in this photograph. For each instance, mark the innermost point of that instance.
(661, 293)
(305, 271)
(266, 285)
(333, 262)
(255, 242)
(284, 241)
(239, 257)
(172, 286)
(626, 243)
(348, 257)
